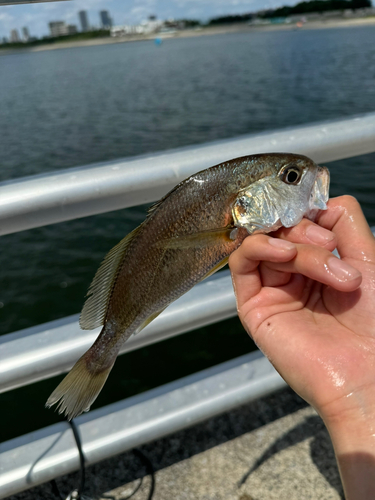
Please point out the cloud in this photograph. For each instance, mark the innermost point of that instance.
(6, 17)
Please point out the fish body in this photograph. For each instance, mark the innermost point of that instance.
(186, 237)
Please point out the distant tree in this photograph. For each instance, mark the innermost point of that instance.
(240, 18)
(190, 23)
(59, 39)
(316, 6)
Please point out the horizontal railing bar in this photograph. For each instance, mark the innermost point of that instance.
(38, 457)
(46, 350)
(16, 2)
(79, 192)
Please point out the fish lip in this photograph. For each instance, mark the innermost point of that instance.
(319, 193)
(322, 183)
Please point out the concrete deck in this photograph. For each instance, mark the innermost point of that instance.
(273, 449)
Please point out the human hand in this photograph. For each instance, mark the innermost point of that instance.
(314, 315)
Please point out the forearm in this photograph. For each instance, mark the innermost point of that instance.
(354, 444)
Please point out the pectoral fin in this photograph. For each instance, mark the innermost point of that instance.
(200, 239)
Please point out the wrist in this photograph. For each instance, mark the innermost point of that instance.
(350, 419)
(348, 435)
(353, 439)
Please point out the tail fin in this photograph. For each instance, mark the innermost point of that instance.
(79, 389)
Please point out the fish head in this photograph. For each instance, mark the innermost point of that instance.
(295, 187)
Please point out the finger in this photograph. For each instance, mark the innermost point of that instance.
(272, 277)
(286, 298)
(345, 218)
(245, 260)
(260, 247)
(320, 265)
(308, 232)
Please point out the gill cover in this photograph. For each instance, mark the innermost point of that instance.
(270, 203)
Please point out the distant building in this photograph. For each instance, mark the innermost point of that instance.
(25, 34)
(72, 29)
(83, 19)
(105, 19)
(14, 36)
(152, 25)
(145, 28)
(58, 28)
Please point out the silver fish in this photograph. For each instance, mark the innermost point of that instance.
(187, 236)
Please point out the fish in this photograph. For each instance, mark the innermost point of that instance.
(187, 236)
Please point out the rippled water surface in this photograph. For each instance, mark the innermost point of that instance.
(65, 108)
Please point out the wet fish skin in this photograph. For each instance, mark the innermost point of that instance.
(187, 236)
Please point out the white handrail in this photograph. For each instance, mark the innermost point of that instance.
(93, 189)
(50, 452)
(47, 350)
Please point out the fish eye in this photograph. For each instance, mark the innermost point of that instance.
(291, 175)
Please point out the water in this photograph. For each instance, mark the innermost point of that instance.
(70, 107)
(66, 108)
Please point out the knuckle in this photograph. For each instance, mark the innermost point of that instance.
(349, 201)
(250, 241)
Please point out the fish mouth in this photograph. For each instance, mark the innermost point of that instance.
(320, 191)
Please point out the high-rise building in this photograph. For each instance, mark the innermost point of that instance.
(105, 19)
(25, 34)
(14, 36)
(83, 19)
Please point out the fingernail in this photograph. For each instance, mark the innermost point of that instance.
(342, 270)
(319, 235)
(282, 244)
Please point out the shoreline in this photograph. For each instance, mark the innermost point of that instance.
(206, 31)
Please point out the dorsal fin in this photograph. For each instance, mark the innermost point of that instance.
(99, 292)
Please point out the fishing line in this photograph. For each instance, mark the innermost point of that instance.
(149, 470)
(77, 494)
(81, 458)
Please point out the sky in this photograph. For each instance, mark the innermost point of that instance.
(36, 16)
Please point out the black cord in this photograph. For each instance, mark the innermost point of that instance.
(81, 458)
(149, 469)
(78, 493)
(55, 490)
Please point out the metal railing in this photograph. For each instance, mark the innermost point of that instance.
(15, 2)
(47, 350)
(94, 189)
(43, 351)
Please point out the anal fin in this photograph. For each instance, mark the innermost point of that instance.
(218, 266)
(148, 321)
